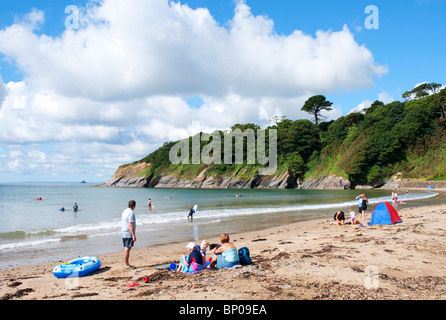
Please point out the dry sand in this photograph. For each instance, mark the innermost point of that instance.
(304, 261)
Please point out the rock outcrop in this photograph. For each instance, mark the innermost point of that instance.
(131, 176)
(326, 182)
(396, 182)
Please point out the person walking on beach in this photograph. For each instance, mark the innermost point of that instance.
(128, 231)
(191, 214)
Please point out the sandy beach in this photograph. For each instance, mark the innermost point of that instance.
(305, 261)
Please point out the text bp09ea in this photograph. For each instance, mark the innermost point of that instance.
(245, 309)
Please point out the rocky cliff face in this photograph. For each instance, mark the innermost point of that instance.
(396, 182)
(326, 182)
(130, 177)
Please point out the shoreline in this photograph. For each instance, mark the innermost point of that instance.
(304, 261)
(100, 245)
(66, 245)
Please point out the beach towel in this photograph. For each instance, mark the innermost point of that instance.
(228, 259)
(193, 267)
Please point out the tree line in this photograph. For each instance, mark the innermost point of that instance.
(364, 147)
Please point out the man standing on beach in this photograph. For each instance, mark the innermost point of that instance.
(128, 232)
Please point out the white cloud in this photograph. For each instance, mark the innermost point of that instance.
(34, 18)
(362, 106)
(419, 84)
(333, 114)
(150, 48)
(14, 165)
(122, 79)
(386, 98)
(2, 91)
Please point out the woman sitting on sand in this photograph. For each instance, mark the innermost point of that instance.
(226, 256)
(339, 218)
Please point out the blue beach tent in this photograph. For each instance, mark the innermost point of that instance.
(385, 213)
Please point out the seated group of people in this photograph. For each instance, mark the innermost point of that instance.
(225, 256)
(339, 218)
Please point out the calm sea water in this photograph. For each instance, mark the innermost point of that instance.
(36, 231)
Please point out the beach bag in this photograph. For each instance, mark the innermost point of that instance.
(243, 254)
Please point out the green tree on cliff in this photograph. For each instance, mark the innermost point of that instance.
(315, 105)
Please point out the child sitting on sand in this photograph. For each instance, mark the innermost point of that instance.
(203, 247)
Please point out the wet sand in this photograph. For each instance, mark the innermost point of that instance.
(304, 261)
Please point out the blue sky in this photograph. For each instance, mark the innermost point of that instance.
(407, 49)
(409, 39)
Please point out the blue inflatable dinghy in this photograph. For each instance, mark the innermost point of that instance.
(77, 268)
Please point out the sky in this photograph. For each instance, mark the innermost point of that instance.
(86, 86)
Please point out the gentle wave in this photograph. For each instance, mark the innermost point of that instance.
(13, 235)
(16, 245)
(90, 227)
(221, 213)
(211, 216)
(23, 234)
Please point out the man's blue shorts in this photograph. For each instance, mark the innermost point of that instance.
(128, 242)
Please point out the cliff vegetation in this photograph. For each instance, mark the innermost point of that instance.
(363, 148)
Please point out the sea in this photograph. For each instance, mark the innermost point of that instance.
(34, 231)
